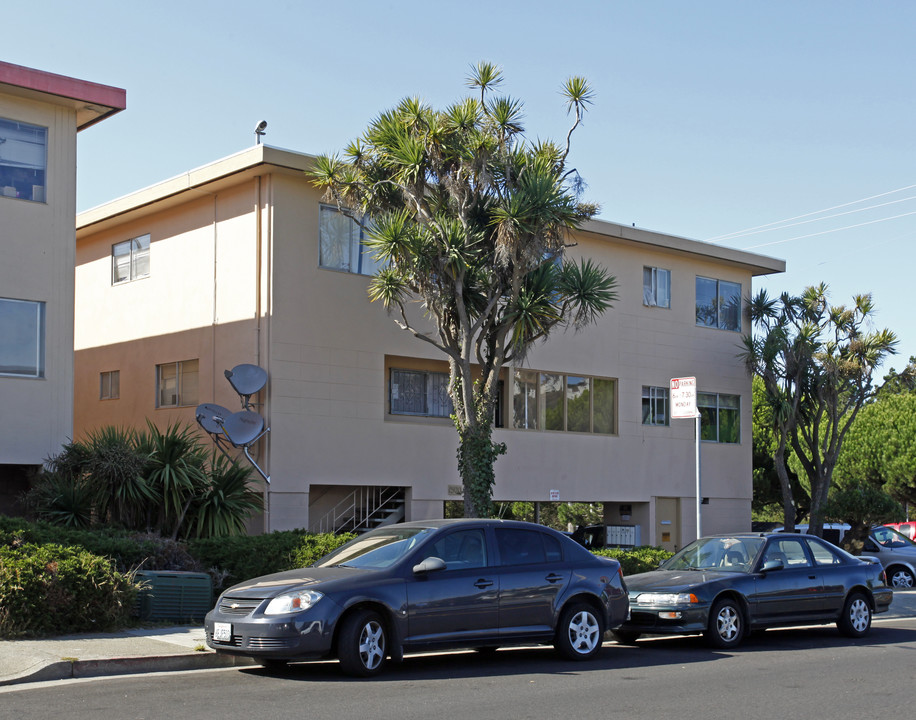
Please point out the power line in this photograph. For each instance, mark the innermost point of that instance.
(751, 230)
(826, 232)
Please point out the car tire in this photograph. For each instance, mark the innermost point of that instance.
(726, 625)
(362, 645)
(624, 637)
(580, 632)
(900, 578)
(855, 620)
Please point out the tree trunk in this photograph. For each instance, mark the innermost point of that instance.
(788, 502)
(477, 455)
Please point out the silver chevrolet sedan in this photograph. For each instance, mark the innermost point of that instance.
(424, 586)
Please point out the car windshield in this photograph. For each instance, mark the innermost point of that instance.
(377, 549)
(890, 538)
(731, 554)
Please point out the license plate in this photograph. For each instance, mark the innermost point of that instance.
(222, 632)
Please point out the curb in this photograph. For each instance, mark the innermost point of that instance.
(72, 669)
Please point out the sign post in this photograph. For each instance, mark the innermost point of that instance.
(683, 396)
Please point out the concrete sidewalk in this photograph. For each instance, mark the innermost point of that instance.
(89, 655)
(170, 648)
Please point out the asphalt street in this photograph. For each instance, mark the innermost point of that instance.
(808, 672)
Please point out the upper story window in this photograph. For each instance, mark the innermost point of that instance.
(570, 403)
(654, 405)
(420, 392)
(656, 287)
(23, 160)
(22, 338)
(176, 384)
(110, 385)
(718, 304)
(341, 243)
(720, 417)
(130, 260)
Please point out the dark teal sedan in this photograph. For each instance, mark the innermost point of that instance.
(724, 587)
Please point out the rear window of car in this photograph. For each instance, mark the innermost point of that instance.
(527, 547)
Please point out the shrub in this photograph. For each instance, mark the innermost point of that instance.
(637, 560)
(53, 589)
(313, 547)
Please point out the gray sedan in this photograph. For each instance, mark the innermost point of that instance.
(426, 586)
(726, 586)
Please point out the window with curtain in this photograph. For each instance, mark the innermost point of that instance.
(656, 287)
(341, 243)
(23, 160)
(177, 384)
(720, 417)
(420, 392)
(22, 338)
(718, 304)
(110, 385)
(130, 260)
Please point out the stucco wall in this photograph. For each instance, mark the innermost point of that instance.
(37, 245)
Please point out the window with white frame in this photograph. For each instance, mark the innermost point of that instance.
(341, 243)
(420, 392)
(177, 384)
(565, 403)
(718, 304)
(720, 417)
(22, 338)
(654, 405)
(656, 287)
(130, 260)
(23, 160)
(110, 385)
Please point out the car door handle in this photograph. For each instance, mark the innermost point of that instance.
(554, 578)
(483, 583)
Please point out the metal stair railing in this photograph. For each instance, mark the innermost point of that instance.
(361, 510)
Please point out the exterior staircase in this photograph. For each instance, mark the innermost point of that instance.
(366, 508)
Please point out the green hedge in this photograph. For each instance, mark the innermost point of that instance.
(54, 590)
(128, 550)
(234, 559)
(637, 560)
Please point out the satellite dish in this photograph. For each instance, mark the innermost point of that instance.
(212, 417)
(243, 428)
(247, 379)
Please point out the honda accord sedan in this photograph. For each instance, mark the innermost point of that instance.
(724, 587)
(425, 586)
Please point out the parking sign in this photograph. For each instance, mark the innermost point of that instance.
(683, 397)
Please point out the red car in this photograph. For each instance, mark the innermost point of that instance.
(907, 528)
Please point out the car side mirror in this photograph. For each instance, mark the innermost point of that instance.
(772, 565)
(431, 564)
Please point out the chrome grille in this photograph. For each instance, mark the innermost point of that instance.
(270, 643)
(238, 606)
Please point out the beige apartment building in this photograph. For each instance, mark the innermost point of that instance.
(240, 263)
(40, 115)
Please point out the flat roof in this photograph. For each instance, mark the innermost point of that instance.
(92, 102)
(247, 162)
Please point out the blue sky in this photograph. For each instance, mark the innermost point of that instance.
(710, 117)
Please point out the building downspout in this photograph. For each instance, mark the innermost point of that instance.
(261, 354)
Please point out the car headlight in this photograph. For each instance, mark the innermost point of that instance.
(667, 598)
(292, 602)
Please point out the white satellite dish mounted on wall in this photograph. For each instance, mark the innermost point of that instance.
(242, 429)
(247, 380)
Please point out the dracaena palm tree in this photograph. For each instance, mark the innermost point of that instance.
(471, 220)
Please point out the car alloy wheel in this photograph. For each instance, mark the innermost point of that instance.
(362, 644)
(580, 632)
(726, 624)
(856, 618)
(901, 578)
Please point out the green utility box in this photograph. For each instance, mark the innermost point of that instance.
(175, 596)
